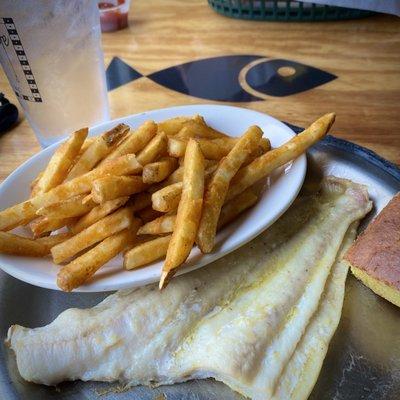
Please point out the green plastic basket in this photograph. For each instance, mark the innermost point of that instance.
(267, 10)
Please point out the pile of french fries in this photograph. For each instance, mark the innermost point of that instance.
(149, 193)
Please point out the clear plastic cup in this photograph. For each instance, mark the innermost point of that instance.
(51, 53)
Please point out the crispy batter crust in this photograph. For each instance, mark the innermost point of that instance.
(377, 250)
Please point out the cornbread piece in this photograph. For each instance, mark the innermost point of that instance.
(374, 257)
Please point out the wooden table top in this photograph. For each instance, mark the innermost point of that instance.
(364, 54)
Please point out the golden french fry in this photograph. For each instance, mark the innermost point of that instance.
(85, 266)
(147, 252)
(34, 187)
(124, 165)
(159, 170)
(230, 210)
(72, 207)
(43, 225)
(207, 131)
(265, 164)
(197, 128)
(21, 246)
(16, 215)
(135, 141)
(176, 147)
(111, 187)
(177, 176)
(167, 199)
(189, 212)
(160, 225)
(187, 132)
(88, 199)
(61, 161)
(263, 146)
(172, 126)
(140, 201)
(148, 214)
(88, 142)
(93, 234)
(216, 189)
(23, 213)
(100, 148)
(154, 149)
(236, 206)
(213, 149)
(97, 213)
(51, 240)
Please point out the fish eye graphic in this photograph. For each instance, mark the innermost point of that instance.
(234, 78)
(278, 77)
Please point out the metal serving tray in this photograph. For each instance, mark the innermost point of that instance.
(363, 361)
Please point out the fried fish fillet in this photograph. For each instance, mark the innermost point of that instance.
(259, 320)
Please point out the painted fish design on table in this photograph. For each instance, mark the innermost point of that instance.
(234, 78)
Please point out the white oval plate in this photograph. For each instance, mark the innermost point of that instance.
(282, 188)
